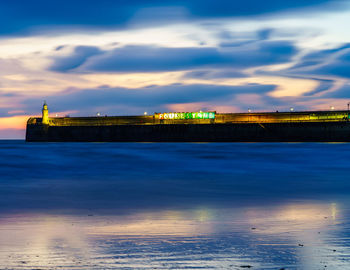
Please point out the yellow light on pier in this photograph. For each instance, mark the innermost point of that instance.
(45, 114)
(187, 115)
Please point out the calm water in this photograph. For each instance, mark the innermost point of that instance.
(174, 206)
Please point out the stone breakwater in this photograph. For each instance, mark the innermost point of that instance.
(149, 129)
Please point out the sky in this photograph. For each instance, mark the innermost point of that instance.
(118, 57)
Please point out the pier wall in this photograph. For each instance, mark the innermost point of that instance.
(220, 118)
(240, 132)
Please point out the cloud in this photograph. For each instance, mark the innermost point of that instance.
(341, 93)
(152, 58)
(153, 97)
(330, 62)
(329, 67)
(265, 33)
(320, 56)
(76, 59)
(147, 58)
(339, 67)
(214, 74)
(323, 86)
(4, 112)
(21, 16)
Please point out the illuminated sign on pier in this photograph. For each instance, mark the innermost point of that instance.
(187, 115)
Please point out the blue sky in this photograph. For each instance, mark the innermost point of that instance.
(127, 57)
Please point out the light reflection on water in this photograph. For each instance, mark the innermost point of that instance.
(290, 236)
(174, 206)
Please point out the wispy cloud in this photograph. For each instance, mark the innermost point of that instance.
(150, 98)
(152, 58)
(21, 17)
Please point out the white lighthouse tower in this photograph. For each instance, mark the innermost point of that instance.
(45, 115)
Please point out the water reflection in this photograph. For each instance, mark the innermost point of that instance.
(139, 206)
(290, 236)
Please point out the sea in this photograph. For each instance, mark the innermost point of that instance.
(174, 205)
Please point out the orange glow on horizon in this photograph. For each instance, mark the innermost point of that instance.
(13, 122)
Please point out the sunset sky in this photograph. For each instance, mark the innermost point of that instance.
(127, 57)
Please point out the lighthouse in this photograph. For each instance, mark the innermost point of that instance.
(45, 115)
